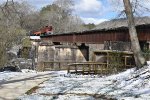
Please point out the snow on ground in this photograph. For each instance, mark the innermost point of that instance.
(128, 85)
(8, 75)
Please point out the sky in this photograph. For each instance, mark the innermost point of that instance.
(90, 11)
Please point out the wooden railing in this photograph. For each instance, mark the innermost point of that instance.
(54, 65)
(113, 62)
(86, 67)
(111, 57)
(95, 68)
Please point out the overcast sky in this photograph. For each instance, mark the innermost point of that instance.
(91, 11)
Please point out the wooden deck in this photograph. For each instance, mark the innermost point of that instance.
(113, 61)
(86, 67)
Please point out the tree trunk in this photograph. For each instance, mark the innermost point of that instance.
(139, 59)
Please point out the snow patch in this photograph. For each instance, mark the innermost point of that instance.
(130, 84)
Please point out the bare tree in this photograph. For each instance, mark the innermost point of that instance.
(139, 59)
(60, 16)
(10, 30)
(139, 7)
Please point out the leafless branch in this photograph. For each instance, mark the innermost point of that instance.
(7, 9)
(135, 6)
(122, 13)
(145, 8)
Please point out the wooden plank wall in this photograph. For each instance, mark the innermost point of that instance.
(99, 36)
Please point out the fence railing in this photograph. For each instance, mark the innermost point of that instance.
(53, 65)
(86, 68)
(96, 68)
(112, 64)
(83, 67)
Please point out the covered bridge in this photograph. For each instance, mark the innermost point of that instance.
(114, 30)
(79, 46)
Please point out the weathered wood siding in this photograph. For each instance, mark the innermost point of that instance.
(99, 36)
